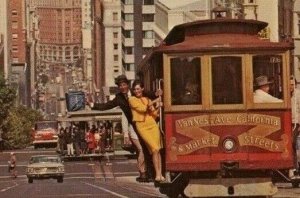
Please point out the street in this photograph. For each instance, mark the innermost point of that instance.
(104, 177)
(90, 178)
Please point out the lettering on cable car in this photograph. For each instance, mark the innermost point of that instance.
(263, 126)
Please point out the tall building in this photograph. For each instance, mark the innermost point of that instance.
(98, 46)
(59, 38)
(87, 26)
(125, 29)
(55, 40)
(112, 52)
(4, 33)
(13, 61)
(137, 21)
(171, 13)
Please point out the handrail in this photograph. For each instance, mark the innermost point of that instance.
(160, 107)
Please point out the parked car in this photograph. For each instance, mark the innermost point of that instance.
(45, 167)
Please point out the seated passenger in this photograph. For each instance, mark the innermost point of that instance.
(191, 93)
(261, 94)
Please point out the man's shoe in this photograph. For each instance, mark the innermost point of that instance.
(142, 178)
(129, 147)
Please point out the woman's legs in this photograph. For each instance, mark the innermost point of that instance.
(141, 159)
(157, 166)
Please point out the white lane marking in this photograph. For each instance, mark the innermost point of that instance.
(90, 173)
(81, 173)
(18, 165)
(7, 188)
(108, 191)
(69, 195)
(29, 151)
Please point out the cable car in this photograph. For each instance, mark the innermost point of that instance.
(221, 138)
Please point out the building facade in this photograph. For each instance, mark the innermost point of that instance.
(55, 43)
(60, 35)
(137, 20)
(171, 13)
(87, 26)
(4, 33)
(112, 52)
(13, 55)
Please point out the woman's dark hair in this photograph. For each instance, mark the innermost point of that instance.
(137, 82)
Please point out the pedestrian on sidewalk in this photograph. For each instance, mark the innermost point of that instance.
(70, 141)
(12, 165)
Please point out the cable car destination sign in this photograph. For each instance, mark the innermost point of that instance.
(257, 136)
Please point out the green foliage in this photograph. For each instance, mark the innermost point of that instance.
(18, 127)
(7, 98)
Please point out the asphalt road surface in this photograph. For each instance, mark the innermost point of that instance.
(104, 177)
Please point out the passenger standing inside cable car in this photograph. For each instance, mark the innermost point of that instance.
(261, 94)
(144, 114)
(295, 101)
(121, 100)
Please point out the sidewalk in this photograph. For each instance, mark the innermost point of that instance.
(116, 155)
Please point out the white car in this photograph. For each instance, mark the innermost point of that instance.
(45, 167)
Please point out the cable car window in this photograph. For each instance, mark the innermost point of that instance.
(267, 74)
(227, 80)
(185, 81)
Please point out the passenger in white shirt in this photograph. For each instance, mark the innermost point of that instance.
(261, 95)
(295, 101)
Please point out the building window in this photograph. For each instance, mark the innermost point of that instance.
(14, 12)
(128, 34)
(148, 2)
(68, 51)
(14, 36)
(116, 57)
(15, 59)
(115, 34)
(148, 17)
(116, 46)
(76, 51)
(148, 34)
(15, 48)
(128, 17)
(128, 50)
(129, 66)
(115, 16)
(128, 2)
(14, 25)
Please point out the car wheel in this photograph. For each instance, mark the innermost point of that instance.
(60, 179)
(30, 180)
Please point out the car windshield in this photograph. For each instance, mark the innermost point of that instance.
(44, 159)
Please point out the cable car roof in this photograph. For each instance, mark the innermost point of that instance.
(217, 35)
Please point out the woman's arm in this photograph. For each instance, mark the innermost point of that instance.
(137, 104)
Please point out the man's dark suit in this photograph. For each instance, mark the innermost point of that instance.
(121, 101)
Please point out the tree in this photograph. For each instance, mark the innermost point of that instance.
(15, 121)
(7, 99)
(18, 126)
